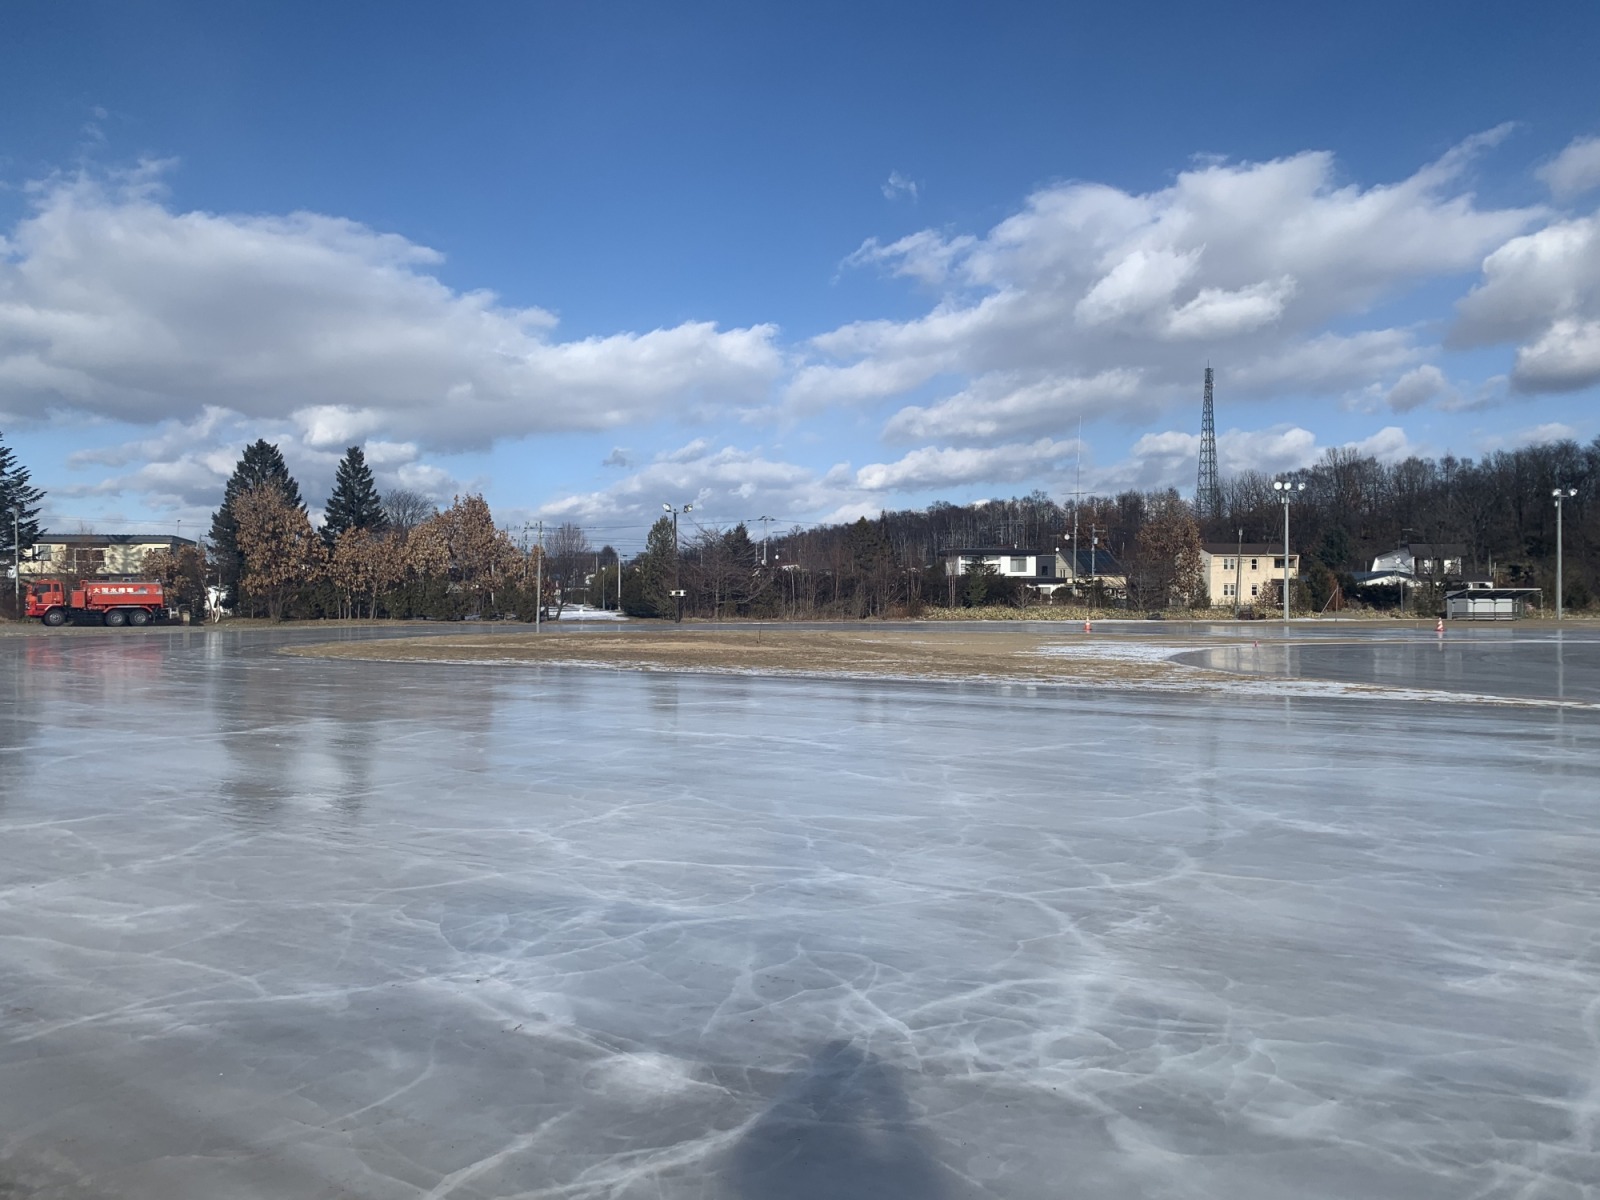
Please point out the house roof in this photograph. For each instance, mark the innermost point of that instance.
(112, 539)
(1094, 561)
(1435, 549)
(993, 550)
(1256, 548)
(1503, 593)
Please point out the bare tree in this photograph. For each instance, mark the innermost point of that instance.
(405, 509)
(567, 553)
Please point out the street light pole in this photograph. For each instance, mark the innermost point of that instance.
(1560, 494)
(1286, 489)
(677, 560)
(1238, 574)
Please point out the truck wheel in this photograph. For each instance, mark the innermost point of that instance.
(138, 617)
(116, 616)
(55, 617)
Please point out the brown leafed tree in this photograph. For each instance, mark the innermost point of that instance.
(182, 574)
(482, 557)
(1169, 551)
(281, 552)
(362, 564)
(427, 549)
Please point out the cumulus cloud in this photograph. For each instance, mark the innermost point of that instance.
(1418, 387)
(1574, 171)
(115, 304)
(1252, 264)
(726, 484)
(1541, 290)
(1002, 404)
(932, 468)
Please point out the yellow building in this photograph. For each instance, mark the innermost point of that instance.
(1240, 574)
(98, 555)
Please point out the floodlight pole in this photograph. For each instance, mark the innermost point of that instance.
(1560, 494)
(538, 583)
(1238, 574)
(1285, 489)
(677, 561)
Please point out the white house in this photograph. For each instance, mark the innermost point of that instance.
(1422, 561)
(1036, 568)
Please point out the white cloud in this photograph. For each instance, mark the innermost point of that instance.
(1000, 405)
(1389, 445)
(899, 185)
(931, 468)
(724, 483)
(1543, 291)
(1565, 358)
(1535, 435)
(114, 304)
(1249, 264)
(1575, 170)
(1417, 387)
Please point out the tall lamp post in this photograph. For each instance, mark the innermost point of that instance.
(1285, 489)
(1238, 574)
(677, 583)
(1560, 494)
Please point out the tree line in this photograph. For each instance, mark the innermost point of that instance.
(399, 555)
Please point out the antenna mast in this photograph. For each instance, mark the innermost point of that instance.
(1207, 494)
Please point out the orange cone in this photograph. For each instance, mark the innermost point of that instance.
(1439, 628)
(1087, 627)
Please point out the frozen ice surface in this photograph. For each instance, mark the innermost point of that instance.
(276, 927)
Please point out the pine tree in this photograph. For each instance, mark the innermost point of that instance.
(19, 507)
(658, 569)
(355, 503)
(261, 464)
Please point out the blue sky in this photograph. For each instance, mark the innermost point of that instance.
(803, 263)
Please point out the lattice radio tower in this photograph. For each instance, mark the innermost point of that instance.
(1207, 494)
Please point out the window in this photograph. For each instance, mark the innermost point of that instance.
(1255, 565)
(1277, 563)
(1227, 589)
(1254, 590)
(1019, 566)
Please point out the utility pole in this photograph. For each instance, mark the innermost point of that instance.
(1560, 494)
(538, 584)
(16, 559)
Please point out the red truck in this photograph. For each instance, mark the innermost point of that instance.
(133, 603)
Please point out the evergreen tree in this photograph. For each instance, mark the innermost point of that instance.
(355, 503)
(658, 570)
(261, 464)
(19, 507)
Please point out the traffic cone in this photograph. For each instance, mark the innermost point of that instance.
(1087, 627)
(1439, 628)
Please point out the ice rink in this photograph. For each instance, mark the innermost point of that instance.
(286, 928)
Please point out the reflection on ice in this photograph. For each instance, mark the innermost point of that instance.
(278, 927)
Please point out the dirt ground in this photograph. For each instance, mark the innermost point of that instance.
(931, 654)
